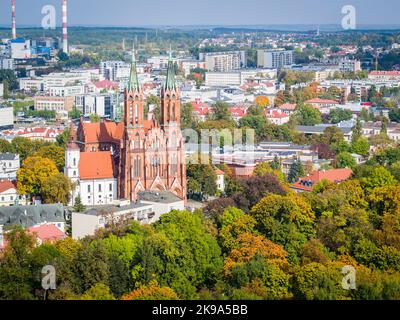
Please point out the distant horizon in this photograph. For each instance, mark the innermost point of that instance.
(295, 26)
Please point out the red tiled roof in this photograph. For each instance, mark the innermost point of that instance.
(322, 101)
(96, 165)
(7, 185)
(288, 106)
(238, 112)
(105, 131)
(334, 176)
(385, 73)
(275, 114)
(219, 172)
(47, 232)
(106, 84)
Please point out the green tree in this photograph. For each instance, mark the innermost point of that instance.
(6, 146)
(337, 115)
(54, 153)
(78, 206)
(296, 171)
(201, 180)
(57, 189)
(33, 174)
(307, 115)
(16, 279)
(221, 112)
(380, 177)
(361, 146)
(345, 160)
(188, 119)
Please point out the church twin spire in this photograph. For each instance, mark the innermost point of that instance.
(133, 84)
(170, 83)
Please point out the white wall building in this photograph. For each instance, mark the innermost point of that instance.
(6, 64)
(225, 61)
(93, 174)
(9, 165)
(101, 104)
(20, 48)
(6, 117)
(275, 58)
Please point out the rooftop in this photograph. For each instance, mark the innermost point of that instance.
(159, 196)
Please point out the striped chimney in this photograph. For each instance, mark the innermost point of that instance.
(64, 26)
(14, 27)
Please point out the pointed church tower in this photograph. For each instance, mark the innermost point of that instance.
(132, 155)
(134, 99)
(170, 98)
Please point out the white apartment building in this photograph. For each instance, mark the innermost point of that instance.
(6, 64)
(225, 61)
(346, 65)
(31, 84)
(66, 79)
(6, 117)
(115, 70)
(275, 58)
(237, 78)
(9, 166)
(69, 90)
(158, 62)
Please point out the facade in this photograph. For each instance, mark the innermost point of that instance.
(1, 90)
(225, 61)
(8, 193)
(114, 70)
(384, 75)
(20, 48)
(100, 104)
(87, 223)
(136, 155)
(57, 104)
(275, 58)
(6, 118)
(236, 78)
(9, 166)
(6, 64)
(347, 65)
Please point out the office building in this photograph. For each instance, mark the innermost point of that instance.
(225, 61)
(275, 58)
(6, 118)
(57, 104)
(346, 65)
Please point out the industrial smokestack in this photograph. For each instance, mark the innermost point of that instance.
(64, 26)
(14, 27)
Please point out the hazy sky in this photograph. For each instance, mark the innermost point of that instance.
(204, 12)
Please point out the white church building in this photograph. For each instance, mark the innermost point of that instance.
(93, 175)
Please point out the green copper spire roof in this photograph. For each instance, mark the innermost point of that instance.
(133, 79)
(170, 81)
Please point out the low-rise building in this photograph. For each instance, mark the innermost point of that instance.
(220, 180)
(8, 193)
(6, 118)
(87, 223)
(162, 202)
(53, 103)
(9, 166)
(307, 183)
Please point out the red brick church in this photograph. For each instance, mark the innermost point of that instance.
(144, 154)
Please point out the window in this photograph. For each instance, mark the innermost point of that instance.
(74, 162)
(11, 198)
(99, 187)
(88, 188)
(110, 187)
(74, 173)
(2, 198)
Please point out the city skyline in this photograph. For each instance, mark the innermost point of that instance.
(223, 13)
